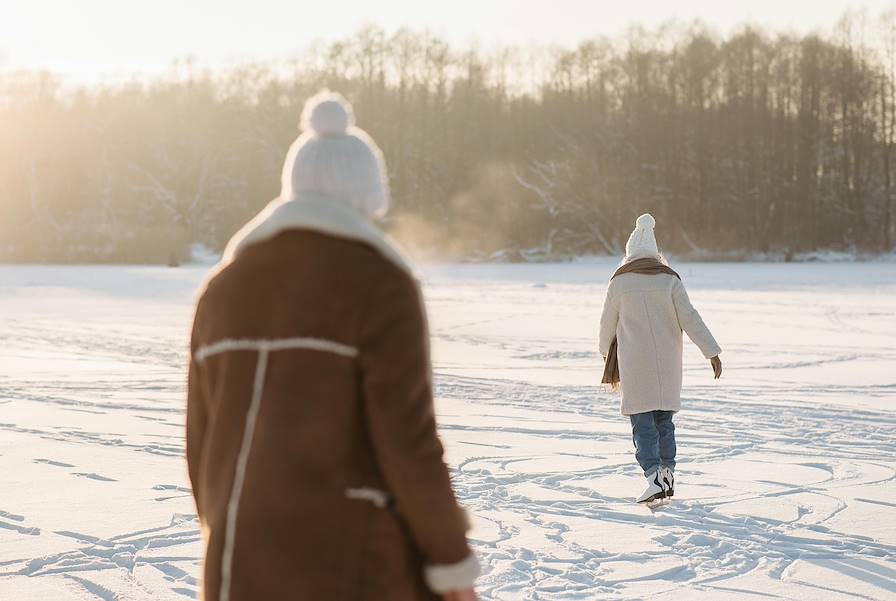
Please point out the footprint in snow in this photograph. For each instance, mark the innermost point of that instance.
(172, 488)
(94, 476)
(20, 529)
(51, 462)
(16, 527)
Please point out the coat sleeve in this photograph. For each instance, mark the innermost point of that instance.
(609, 319)
(197, 418)
(397, 386)
(691, 322)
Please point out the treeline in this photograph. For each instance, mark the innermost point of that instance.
(756, 143)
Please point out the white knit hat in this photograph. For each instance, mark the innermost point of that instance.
(334, 158)
(642, 243)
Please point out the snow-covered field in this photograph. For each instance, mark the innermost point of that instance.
(787, 474)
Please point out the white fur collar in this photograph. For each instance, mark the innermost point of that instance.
(317, 213)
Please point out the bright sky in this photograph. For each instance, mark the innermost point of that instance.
(89, 39)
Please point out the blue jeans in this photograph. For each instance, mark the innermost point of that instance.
(654, 436)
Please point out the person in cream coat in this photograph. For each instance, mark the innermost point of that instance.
(645, 312)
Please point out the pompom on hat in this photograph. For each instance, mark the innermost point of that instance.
(327, 114)
(335, 159)
(642, 243)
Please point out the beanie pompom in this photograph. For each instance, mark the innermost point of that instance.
(327, 114)
(334, 158)
(645, 222)
(642, 242)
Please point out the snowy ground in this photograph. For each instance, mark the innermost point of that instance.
(787, 480)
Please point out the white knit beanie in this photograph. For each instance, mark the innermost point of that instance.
(334, 158)
(642, 243)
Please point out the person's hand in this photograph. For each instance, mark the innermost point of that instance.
(467, 594)
(716, 366)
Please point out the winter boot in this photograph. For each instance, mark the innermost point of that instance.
(667, 476)
(655, 489)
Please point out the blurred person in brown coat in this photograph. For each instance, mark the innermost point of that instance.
(311, 437)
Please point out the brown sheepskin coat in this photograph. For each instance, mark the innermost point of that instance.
(311, 438)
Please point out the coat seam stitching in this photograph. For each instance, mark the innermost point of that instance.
(273, 344)
(239, 475)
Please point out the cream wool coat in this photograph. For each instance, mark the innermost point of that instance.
(646, 314)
